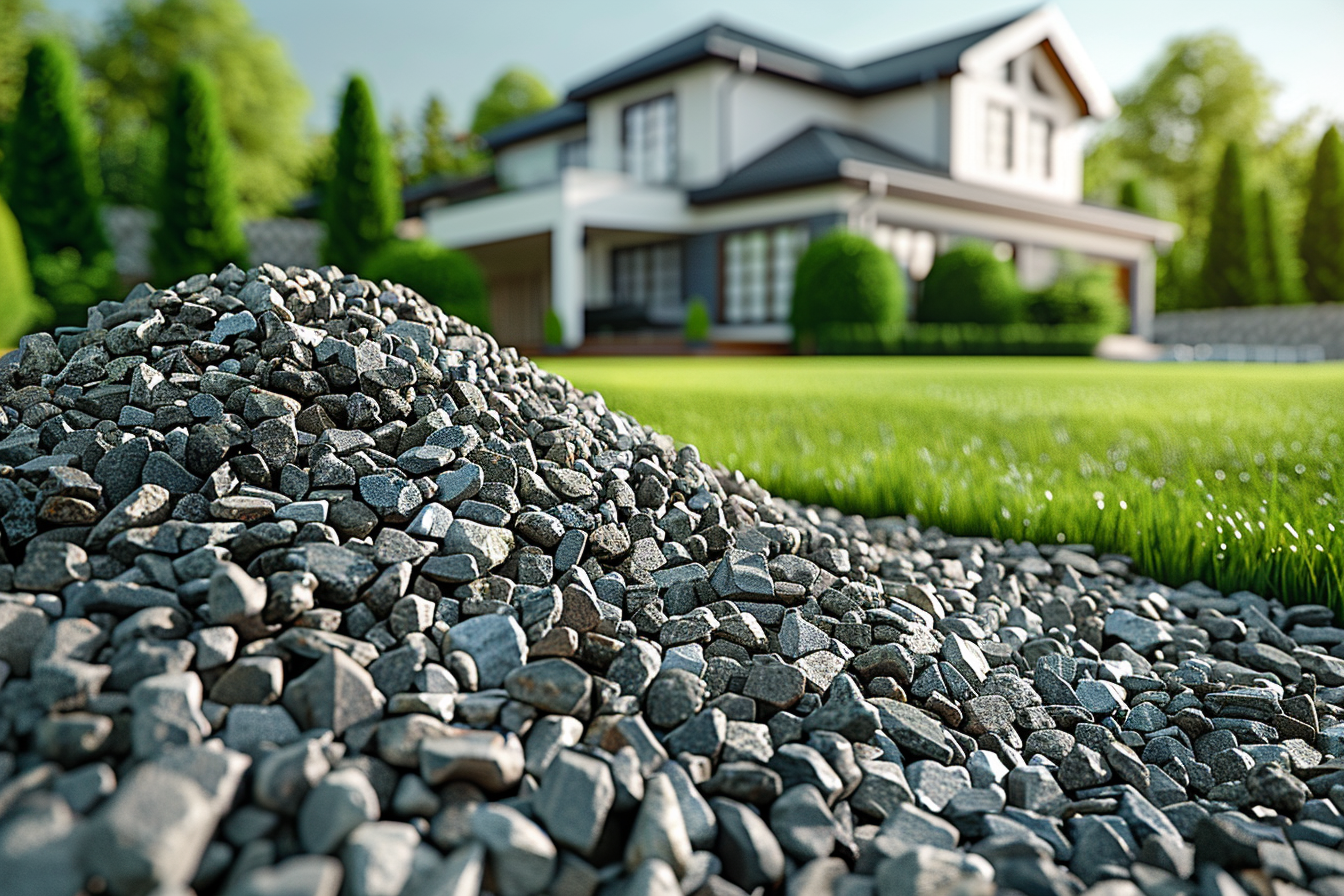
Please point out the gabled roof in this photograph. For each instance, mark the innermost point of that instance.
(555, 118)
(812, 157)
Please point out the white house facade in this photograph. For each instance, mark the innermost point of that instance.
(704, 168)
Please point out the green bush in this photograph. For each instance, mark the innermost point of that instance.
(844, 278)
(1021, 339)
(21, 312)
(969, 284)
(1085, 295)
(200, 228)
(72, 284)
(447, 278)
(553, 329)
(362, 204)
(697, 321)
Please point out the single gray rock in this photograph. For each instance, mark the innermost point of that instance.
(574, 800)
(522, 857)
(496, 642)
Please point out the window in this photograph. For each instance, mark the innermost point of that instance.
(999, 137)
(574, 154)
(1039, 133)
(649, 136)
(647, 277)
(758, 273)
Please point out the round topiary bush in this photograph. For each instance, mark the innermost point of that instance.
(1082, 296)
(970, 285)
(447, 278)
(844, 278)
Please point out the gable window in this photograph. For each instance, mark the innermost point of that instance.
(1039, 134)
(574, 154)
(649, 137)
(758, 268)
(647, 277)
(998, 137)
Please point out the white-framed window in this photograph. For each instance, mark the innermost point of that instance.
(649, 138)
(998, 137)
(647, 277)
(574, 153)
(758, 268)
(1040, 133)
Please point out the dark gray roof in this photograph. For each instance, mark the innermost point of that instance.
(812, 157)
(887, 73)
(553, 119)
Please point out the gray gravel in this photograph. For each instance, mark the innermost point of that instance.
(307, 588)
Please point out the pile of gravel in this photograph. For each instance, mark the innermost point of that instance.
(309, 588)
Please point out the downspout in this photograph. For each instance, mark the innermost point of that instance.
(746, 64)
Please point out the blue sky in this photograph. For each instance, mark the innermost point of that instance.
(409, 48)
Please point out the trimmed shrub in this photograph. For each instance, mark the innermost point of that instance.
(1085, 295)
(362, 204)
(447, 278)
(844, 278)
(1322, 241)
(21, 312)
(969, 284)
(553, 329)
(697, 322)
(199, 227)
(959, 339)
(1234, 268)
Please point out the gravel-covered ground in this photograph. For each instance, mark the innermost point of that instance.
(311, 589)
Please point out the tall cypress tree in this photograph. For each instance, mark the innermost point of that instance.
(362, 203)
(52, 181)
(1322, 244)
(1234, 270)
(1282, 279)
(199, 227)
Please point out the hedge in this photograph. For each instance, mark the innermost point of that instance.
(959, 339)
(844, 278)
(447, 278)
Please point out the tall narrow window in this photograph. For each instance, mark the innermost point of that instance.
(649, 136)
(647, 277)
(998, 137)
(758, 268)
(1039, 134)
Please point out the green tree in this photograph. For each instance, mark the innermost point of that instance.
(515, 94)
(438, 149)
(968, 284)
(1234, 264)
(52, 186)
(132, 64)
(1135, 196)
(21, 312)
(844, 278)
(362, 205)
(1322, 245)
(17, 19)
(199, 227)
(1283, 278)
(447, 278)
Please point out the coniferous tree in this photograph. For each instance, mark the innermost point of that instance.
(53, 187)
(1322, 244)
(362, 202)
(199, 227)
(1282, 278)
(1134, 196)
(1234, 270)
(20, 311)
(437, 155)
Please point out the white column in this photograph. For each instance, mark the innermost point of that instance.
(567, 277)
(1143, 293)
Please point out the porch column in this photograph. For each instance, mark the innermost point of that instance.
(567, 277)
(1143, 293)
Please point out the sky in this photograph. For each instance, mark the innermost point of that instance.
(411, 48)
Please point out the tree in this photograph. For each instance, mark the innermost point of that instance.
(16, 17)
(1322, 245)
(447, 278)
(20, 311)
(968, 284)
(1234, 268)
(844, 278)
(515, 94)
(1283, 279)
(199, 227)
(1135, 196)
(133, 62)
(438, 149)
(362, 204)
(53, 188)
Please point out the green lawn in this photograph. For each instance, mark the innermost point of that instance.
(1225, 473)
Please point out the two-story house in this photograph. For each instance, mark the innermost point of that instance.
(705, 167)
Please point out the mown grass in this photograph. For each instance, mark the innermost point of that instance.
(1224, 473)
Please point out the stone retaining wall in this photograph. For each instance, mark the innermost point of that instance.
(1279, 325)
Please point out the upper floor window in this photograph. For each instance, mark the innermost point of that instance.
(998, 137)
(574, 154)
(649, 137)
(647, 277)
(1039, 134)
(758, 268)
